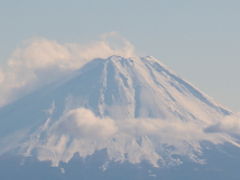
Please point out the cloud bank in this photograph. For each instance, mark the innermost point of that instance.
(40, 61)
(82, 123)
(230, 125)
(157, 141)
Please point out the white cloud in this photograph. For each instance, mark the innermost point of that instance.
(40, 61)
(82, 123)
(155, 140)
(230, 124)
(39, 53)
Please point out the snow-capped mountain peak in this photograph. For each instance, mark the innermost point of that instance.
(134, 108)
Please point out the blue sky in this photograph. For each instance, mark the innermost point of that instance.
(198, 39)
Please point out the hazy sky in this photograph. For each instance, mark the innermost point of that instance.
(199, 39)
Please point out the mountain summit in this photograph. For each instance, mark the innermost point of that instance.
(120, 88)
(133, 109)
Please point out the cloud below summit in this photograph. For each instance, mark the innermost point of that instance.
(82, 123)
(78, 130)
(230, 124)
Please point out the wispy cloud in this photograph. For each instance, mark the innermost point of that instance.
(78, 130)
(230, 124)
(82, 123)
(40, 61)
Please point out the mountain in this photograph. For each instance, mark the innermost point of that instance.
(133, 114)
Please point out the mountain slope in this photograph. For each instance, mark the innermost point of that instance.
(135, 109)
